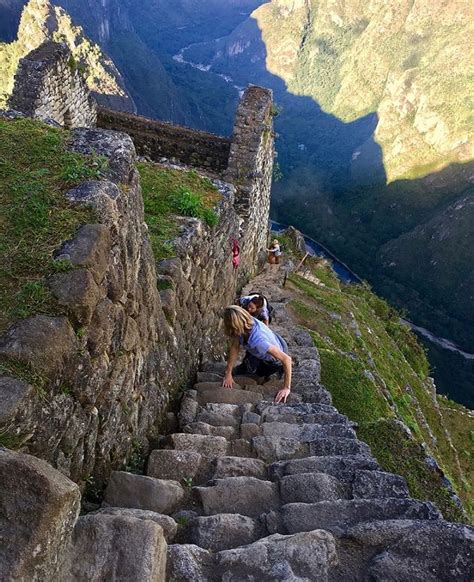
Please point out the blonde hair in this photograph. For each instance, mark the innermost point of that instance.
(237, 321)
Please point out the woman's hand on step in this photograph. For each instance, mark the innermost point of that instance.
(228, 381)
(282, 395)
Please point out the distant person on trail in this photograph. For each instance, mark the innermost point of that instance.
(267, 352)
(274, 252)
(257, 305)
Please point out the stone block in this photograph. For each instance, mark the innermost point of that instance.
(141, 492)
(38, 509)
(239, 467)
(174, 465)
(210, 446)
(271, 449)
(223, 531)
(373, 484)
(89, 249)
(249, 430)
(189, 563)
(312, 487)
(167, 523)
(78, 291)
(46, 343)
(341, 467)
(226, 396)
(15, 396)
(338, 446)
(338, 515)
(116, 547)
(304, 556)
(245, 495)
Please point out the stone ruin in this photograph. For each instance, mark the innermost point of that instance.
(49, 85)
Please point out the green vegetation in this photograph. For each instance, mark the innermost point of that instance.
(35, 171)
(378, 375)
(168, 192)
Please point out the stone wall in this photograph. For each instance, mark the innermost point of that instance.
(115, 362)
(250, 169)
(48, 85)
(157, 139)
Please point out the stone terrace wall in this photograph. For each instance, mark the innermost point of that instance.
(157, 139)
(49, 86)
(113, 364)
(250, 169)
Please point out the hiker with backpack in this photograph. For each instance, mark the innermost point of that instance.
(257, 305)
(267, 352)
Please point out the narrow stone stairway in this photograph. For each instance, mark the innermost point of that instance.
(251, 490)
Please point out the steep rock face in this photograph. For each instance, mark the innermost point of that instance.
(41, 21)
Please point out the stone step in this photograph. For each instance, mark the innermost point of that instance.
(312, 487)
(239, 467)
(226, 396)
(216, 419)
(142, 492)
(306, 432)
(167, 523)
(223, 531)
(178, 465)
(408, 550)
(271, 449)
(245, 495)
(341, 467)
(228, 432)
(300, 413)
(301, 557)
(210, 446)
(215, 367)
(113, 547)
(337, 516)
(373, 484)
(209, 377)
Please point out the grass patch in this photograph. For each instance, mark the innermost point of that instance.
(169, 192)
(35, 171)
(398, 453)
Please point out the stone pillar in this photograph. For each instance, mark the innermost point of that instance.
(250, 169)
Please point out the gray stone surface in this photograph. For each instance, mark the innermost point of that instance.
(46, 343)
(342, 468)
(370, 484)
(116, 547)
(271, 449)
(38, 509)
(141, 492)
(167, 523)
(226, 396)
(223, 531)
(306, 556)
(78, 291)
(239, 467)
(306, 432)
(177, 465)
(228, 432)
(413, 551)
(189, 563)
(15, 396)
(312, 487)
(245, 495)
(211, 446)
(338, 515)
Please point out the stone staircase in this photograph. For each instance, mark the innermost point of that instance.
(251, 490)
